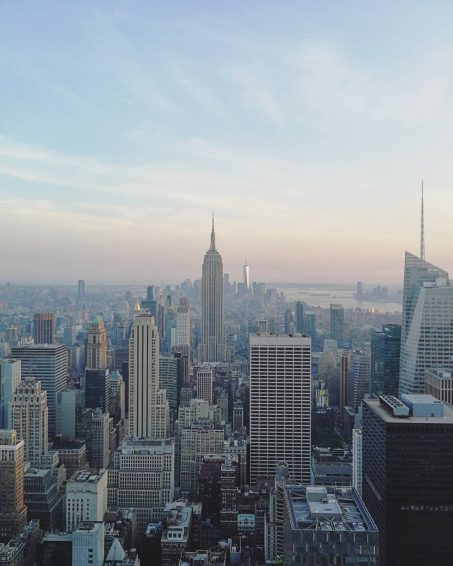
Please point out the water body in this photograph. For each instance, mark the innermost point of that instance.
(323, 296)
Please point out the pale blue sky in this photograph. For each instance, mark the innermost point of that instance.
(307, 126)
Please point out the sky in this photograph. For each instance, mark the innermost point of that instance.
(307, 127)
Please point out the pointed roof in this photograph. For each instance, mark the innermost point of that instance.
(116, 552)
(212, 234)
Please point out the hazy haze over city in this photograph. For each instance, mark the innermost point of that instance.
(307, 127)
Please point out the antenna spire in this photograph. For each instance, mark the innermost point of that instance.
(212, 233)
(422, 230)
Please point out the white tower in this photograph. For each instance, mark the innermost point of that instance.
(280, 406)
(246, 276)
(212, 348)
(148, 405)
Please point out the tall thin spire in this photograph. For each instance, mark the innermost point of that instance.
(212, 233)
(422, 230)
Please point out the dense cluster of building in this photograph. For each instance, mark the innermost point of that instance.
(215, 423)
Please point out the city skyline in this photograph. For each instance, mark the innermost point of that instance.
(302, 128)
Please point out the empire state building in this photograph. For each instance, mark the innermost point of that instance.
(212, 347)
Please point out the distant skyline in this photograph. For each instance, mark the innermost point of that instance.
(307, 127)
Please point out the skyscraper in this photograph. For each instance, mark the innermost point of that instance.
(9, 379)
(47, 363)
(212, 347)
(385, 360)
(183, 325)
(345, 371)
(300, 326)
(337, 324)
(13, 512)
(44, 328)
(96, 346)
(246, 276)
(280, 406)
(97, 389)
(408, 476)
(148, 405)
(427, 328)
(81, 291)
(28, 417)
(360, 376)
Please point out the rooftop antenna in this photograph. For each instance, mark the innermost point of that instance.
(422, 230)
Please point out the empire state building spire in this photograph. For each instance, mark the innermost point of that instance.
(212, 233)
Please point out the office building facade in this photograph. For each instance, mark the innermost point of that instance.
(44, 328)
(47, 363)
(407, 478)
(13, 511)
(280, 406)
(29, 418)
(148, 405)
(385, 360)
(10, 376)
(427, 325)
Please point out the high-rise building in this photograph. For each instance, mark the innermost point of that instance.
(357, 460)
(70, 405)
(117, 397)
(407, 478)
(99, 442)
(300, 326)
(385, 360)
(97, 389)
(183, 335)
(246, 276)
(88, 544)
(13, 512)
(44, 328)
(29, 418)
(86, 498)
(337, 323)
(141, 476)
(427, 328)
(69, 336)
(168, 381)
(81, 291)
(204, 384)
(212, 347)
(10, 374)
(43, 499)
(345, 371)
(47, 363)
(360, 376)
(148, 405)
(96, 346)
(280, 406)
(197, 441)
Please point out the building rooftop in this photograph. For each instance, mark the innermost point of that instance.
(40, 347)
(146, 447)
(84, 477)
(327, 509)
(89, 526)
(440, 373)
(421, 409)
